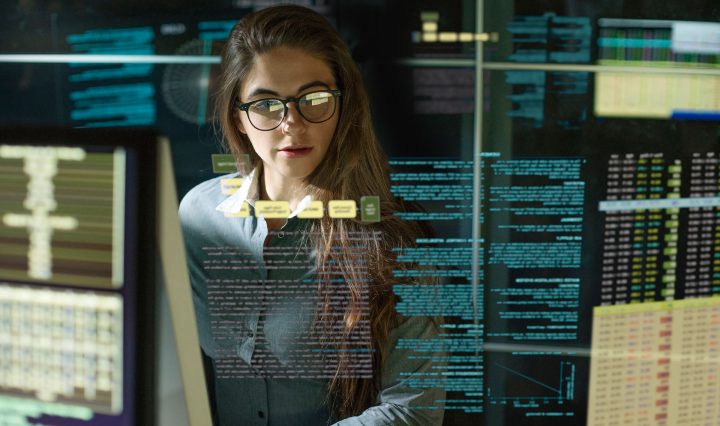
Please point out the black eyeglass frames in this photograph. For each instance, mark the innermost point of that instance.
(315, 107)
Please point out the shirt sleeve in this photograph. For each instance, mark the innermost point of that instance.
(407, 395)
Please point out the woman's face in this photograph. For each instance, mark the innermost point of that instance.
(296, 147)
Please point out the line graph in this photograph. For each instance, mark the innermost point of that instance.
(527, 389)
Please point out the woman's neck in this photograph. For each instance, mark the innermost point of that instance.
(280, 188)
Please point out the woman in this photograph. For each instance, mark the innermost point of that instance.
(296, 316)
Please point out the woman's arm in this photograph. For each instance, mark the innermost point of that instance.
(398, 402)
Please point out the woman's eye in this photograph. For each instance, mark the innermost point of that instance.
(263, 106)
(267, 106)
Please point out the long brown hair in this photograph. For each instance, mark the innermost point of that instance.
(353, 166)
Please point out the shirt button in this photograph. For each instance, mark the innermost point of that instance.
(261, 414)
(251, 334)
(281, 234)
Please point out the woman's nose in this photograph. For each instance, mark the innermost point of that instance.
(294, 123)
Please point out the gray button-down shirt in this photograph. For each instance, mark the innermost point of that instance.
(254, 308)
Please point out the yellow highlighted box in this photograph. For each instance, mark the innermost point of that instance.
(314, 210)
(244, 211)
(342, 209)
(429, 37)
(466, 37)
(229, 186)
(448, 37)
(430, 27)
(272, 209)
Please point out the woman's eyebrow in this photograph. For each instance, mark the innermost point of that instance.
(263, 91)
(312, 84)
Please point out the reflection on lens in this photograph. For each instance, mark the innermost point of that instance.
(266, 114)
(317, 107)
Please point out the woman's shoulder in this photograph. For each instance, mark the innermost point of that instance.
(202, 199)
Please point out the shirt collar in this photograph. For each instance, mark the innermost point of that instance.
(250, 191)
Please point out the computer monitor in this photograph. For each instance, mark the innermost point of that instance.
(569, 166)
(78, 282)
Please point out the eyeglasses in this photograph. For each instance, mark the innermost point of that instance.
(267, 114)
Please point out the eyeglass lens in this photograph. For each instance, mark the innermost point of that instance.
(315, 107)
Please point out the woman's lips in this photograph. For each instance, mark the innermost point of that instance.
(295, 152)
